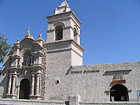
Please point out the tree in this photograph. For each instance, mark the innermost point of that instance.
(4, 47)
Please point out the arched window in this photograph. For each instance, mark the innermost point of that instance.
(119, 93)
(27, 59)
(59, 32)
(75, 35)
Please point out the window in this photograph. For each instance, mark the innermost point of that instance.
(75, 35)
(27, 59)
(59, 33)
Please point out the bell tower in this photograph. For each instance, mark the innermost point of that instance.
(63, 49)
(63, 38)
(63, 25)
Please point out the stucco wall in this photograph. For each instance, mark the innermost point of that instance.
(91, 82)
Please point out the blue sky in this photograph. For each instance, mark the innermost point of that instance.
(110, 30)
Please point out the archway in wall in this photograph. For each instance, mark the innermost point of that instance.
(24, 89)
(75, 35)
(59, 32)
(119, 93)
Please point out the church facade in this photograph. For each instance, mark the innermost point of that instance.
(38, 72)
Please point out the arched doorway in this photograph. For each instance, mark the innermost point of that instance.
(119, 93)
(24, 89)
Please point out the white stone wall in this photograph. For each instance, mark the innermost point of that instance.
(77, 59)
(3, 85)
(91, 86)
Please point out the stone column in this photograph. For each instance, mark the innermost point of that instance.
(33, 82)
(37, 84)
(9, 86)
(16, 64)
(39, 60)
(31, 58)
(13, 86)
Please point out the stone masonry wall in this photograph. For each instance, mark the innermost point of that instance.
(92, 82)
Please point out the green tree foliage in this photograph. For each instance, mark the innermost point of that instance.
(4, 47)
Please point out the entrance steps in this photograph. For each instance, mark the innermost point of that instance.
(28, 102)
(35, 102)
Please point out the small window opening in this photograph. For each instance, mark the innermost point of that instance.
(59, 33)
(57, 82)
(75, 35)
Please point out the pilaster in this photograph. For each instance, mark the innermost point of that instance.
(37, 85)
(12, 86)
(33, 85)
(9, 86)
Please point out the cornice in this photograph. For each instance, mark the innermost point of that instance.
(70, 12)
(65, 41)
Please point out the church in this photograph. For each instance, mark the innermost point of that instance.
(36, 72)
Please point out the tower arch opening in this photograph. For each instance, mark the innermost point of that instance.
(24, 89)
(119, 93)
(59, 32)
(75, 34)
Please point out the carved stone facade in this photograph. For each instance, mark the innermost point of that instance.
(26, 64)
(52, 72)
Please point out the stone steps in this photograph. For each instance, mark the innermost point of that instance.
(27, 102)
(35, 102)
